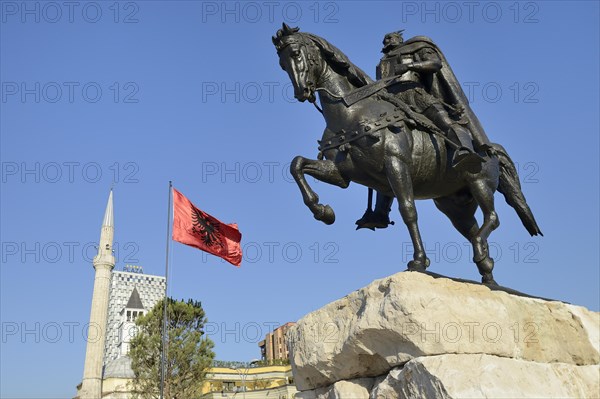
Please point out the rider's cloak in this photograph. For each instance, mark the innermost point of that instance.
(445, 86)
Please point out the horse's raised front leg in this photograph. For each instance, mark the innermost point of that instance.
(401, 184)
(325, 171)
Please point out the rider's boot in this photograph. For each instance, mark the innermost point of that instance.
(378, 218)
(465, 158)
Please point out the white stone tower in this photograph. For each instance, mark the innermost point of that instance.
(127, 328)
(104, 262)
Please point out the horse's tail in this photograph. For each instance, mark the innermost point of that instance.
(510, 187)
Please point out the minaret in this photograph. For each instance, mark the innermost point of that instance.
(104, 262)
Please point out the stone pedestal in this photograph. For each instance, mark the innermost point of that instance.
(415, 335)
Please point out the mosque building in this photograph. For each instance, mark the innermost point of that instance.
(119, 297)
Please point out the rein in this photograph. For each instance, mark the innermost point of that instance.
(328, 92)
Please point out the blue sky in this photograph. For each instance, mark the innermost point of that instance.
(139, 93)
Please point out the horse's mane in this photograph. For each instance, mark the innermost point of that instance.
(332, 55)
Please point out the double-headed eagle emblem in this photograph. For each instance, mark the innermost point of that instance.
(206, 227)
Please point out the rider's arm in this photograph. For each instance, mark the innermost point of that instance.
(429, 62)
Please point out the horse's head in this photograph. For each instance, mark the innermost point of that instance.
(306, 57)
(299, 57)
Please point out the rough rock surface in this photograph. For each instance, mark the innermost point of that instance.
(417, 316)
(354, 389)
(485, 376)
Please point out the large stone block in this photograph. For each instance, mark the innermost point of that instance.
(354, 389)
(485, 376)
(408, 315)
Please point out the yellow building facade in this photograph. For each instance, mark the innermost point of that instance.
(266, 382)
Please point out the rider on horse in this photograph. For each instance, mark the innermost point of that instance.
(419, 76)
(374, 138)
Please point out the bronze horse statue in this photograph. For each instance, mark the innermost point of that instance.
(375, 142)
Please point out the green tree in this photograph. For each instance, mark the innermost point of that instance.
(189, 354)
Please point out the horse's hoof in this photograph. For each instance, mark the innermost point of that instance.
(488, 279)
(418, 266)
(485, 266)
(325, 214)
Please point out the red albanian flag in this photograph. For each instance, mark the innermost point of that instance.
(198, 229)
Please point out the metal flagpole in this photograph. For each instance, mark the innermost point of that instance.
(165, 303)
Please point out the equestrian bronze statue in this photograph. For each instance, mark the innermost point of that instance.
(409, 135)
